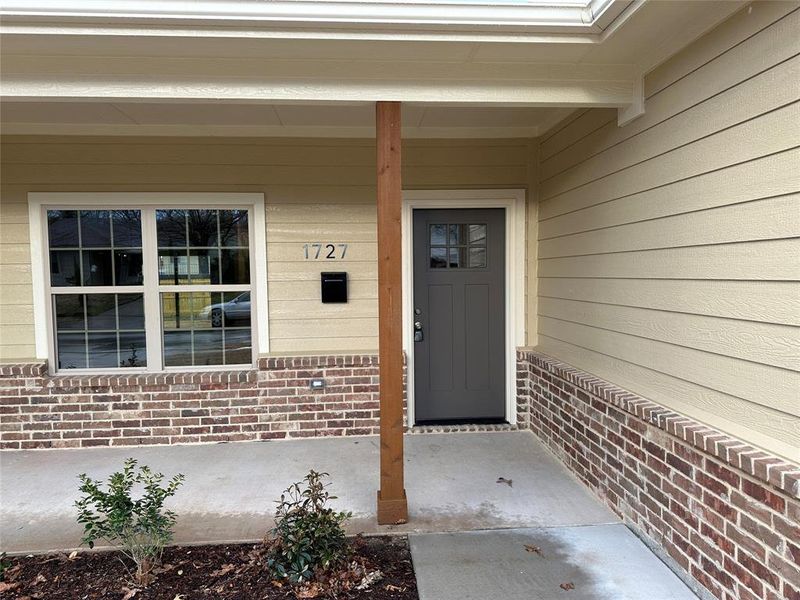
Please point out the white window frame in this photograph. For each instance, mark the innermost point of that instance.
(40, 202)
(513, 201)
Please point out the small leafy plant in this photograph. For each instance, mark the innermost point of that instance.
(5, 564)
(139, 527)
(308, 538)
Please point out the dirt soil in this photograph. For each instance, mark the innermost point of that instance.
(228, 572)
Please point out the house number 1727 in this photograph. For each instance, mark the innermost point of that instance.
(319, 250)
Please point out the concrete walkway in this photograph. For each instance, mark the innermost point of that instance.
(452, 486)
(593, 562)
(230, 489)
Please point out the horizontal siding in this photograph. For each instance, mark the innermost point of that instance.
(316, 190)
(667, 252)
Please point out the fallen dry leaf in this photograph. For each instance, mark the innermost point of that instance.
(508, 482)
(567, 586)
(534, 549)
(39, 579)
(73, 555)
(308, 591)
(129, 593)
(394, 588)
(223, 570)
(7, 587)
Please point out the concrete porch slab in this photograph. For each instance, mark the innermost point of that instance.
(602, 562)
(230, 488)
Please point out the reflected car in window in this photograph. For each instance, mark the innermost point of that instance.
(234, 311)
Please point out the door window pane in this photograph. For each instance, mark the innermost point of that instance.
(458, 246)
(438, 258)
(438, 235)
(477, 235)
(477, 258)
(457, 237)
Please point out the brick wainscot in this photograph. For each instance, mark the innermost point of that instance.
(724, 515)
(271, 402)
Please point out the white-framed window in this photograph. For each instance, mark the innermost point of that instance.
(144, 282)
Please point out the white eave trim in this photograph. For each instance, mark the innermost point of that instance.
(577, 16)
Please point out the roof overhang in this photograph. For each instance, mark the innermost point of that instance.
(584, 20)
(517, 55)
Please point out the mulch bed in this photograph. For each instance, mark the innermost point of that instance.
(229, 572)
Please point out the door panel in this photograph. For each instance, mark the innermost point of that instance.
(459, 314)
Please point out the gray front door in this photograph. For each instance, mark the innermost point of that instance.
(459, 315)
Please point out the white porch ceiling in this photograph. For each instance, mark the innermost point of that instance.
(299, 120)
(134, 67)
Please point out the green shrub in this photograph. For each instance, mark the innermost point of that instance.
(308, 537)
(5, 563)
(139, 527)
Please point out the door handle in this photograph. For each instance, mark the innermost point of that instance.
(418, 336)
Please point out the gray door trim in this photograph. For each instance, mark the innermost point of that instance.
(513, 200)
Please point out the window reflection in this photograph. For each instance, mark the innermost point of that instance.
(100, 330)
(206, 328)
(95, 247)
(204, 247)
(457, 246)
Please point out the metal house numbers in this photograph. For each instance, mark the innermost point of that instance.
(324, 251)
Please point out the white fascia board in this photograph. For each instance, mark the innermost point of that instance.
(578, 16)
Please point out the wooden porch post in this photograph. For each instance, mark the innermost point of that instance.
(392, 505)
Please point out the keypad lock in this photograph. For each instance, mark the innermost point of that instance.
(418, 337)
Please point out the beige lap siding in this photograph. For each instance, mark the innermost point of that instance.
(316, 190)
(667, 253)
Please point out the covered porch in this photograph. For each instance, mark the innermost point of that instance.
(454, 488)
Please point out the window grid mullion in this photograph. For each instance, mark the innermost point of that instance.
(152, 300)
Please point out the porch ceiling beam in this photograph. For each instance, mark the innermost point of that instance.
(117, 78)
(392, 504)
(519, 92)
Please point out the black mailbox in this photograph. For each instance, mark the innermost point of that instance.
(334, 287)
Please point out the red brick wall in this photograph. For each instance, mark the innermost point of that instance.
(723, 511)
(39, 411)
